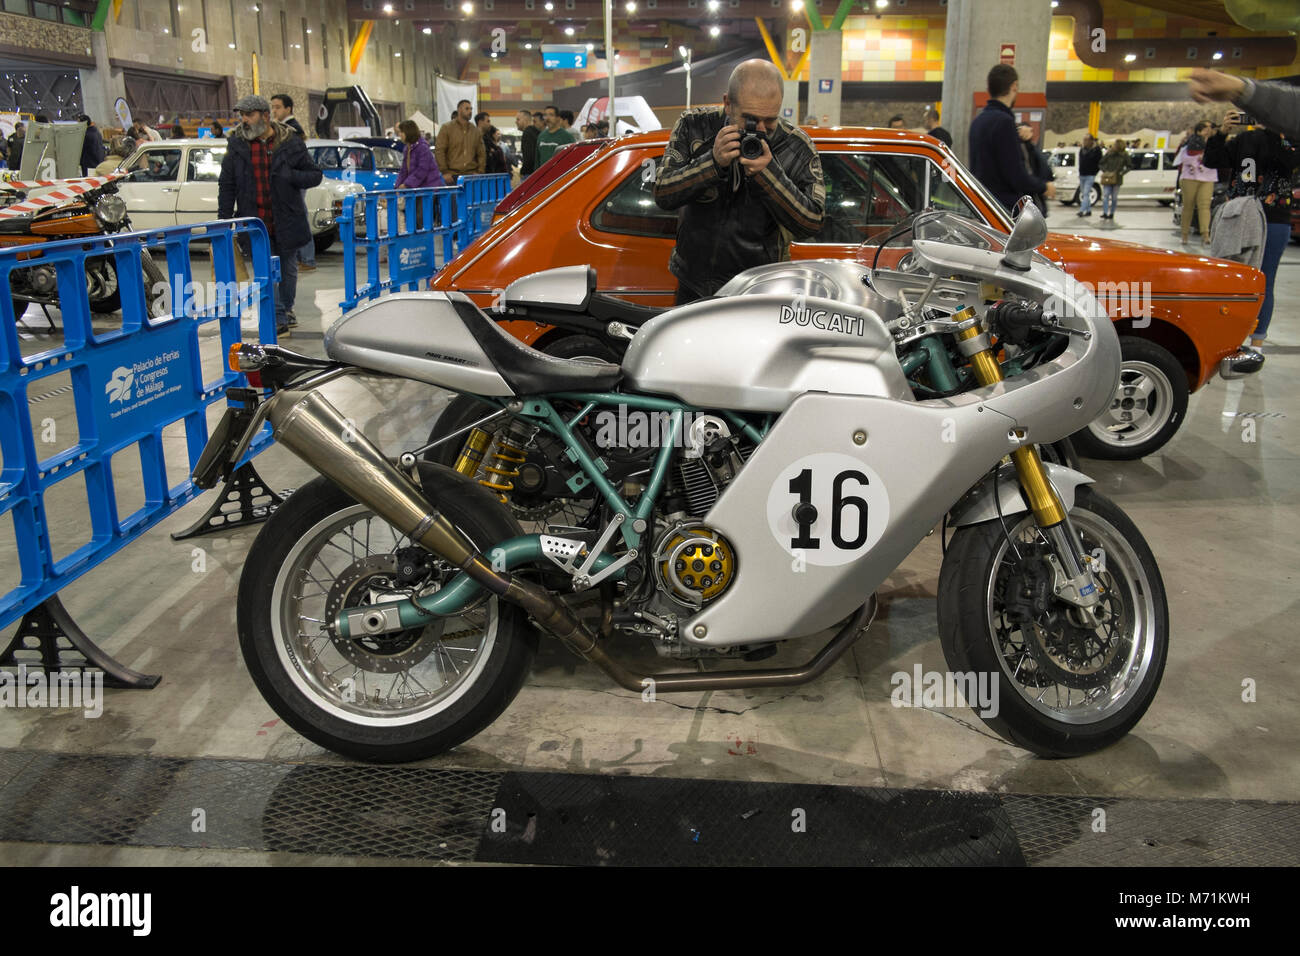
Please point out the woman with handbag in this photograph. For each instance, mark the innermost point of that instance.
(1113, 167)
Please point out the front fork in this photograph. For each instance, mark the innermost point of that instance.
(1074, 581)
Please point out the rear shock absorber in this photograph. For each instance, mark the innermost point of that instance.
(508, 452)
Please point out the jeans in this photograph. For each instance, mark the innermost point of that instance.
(287, 290)
(1108, 200)
(1279, 234)
(307, 254)
(1085, 193)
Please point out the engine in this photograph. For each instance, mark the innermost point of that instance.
(690, 564)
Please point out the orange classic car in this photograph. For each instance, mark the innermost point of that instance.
(1181, 317)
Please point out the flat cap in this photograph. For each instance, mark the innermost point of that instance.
(253, 104)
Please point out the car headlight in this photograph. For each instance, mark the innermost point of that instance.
(110, 211)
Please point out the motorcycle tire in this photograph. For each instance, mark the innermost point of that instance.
(1108, 675)
(456, 674)
(111, 302)
(1148, 373)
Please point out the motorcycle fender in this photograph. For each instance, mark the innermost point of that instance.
(978, 504)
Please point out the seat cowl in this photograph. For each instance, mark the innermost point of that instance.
(526, 370)
(567, 288)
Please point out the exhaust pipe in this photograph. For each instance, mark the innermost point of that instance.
(309, 426)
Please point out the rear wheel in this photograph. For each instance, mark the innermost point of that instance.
(391, 697)
(1064, 688)
(1147, 409)
(324, 240)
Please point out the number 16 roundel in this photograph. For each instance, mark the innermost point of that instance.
(830, 508)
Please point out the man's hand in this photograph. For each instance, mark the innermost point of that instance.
(1050, 191)
(1208, 86)
(1230, 125)
(755, 166)
(726, 146)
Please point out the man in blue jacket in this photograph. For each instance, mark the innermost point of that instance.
(995, 155)
(264, 172)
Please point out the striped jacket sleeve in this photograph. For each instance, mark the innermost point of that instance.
(679, 180)
(797, 203)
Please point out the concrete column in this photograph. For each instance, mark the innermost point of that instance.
(826, 63)
(973, 40)
(101, 86)
(790, 101)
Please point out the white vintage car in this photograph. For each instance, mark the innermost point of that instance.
(1153, 176)
(174, 183)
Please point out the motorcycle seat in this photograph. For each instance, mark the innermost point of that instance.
(15, 225)
(526, 370)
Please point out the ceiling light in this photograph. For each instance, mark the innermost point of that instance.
(714, 30)
(881, 4)
(398, 54)
(590, 47)
(467, 8)
(1055, 4)
(1130, 57)
(683, 51)
(309, 31)
(231, 45)
(388, 8)
(568, 31)
(713, 5)
(796, 5)
(428, 30)
(631, 6)
(1217, 56)
(549, 6)
(528, 46)
(464, 44)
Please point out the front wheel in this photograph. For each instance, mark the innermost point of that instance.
(1063, 688)
(324, 240)
(1149, 404)
(393, 697)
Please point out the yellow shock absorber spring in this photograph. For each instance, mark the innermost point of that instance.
(502, 465)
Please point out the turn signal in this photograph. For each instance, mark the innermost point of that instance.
(234, 357)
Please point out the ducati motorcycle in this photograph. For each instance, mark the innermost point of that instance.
(76, 208)
(820, 419)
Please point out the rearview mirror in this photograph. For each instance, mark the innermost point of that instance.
(1027, 235)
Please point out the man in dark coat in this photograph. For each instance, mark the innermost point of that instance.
(264, 172)
(92, 147)
(524, 123)
(995, 155)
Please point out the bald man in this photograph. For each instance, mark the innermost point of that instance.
(734, 212)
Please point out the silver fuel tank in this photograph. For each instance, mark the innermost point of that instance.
(773, 333)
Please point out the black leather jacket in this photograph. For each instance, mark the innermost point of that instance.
(727, 224)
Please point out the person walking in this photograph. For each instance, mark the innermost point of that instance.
(1035, 163)
(554, 136)
(419, 168)
(264, 172)
(459, 148)
(1263, 165)
(931, 123)
(1113, 166)
(528, 141)
(92, 146)
(1089, 164)
(995, 155)
(1196, 180)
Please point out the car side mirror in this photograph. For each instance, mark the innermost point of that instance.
(1026, 235)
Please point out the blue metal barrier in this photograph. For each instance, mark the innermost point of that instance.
(482, 193)
(410, 240)
(128, 385)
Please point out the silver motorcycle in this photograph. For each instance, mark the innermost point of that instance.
(816, 421)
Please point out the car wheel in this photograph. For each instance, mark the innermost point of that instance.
(1096, 194)
(325, 239)
(1148, 407)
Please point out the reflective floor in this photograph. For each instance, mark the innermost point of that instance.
(1218, 506)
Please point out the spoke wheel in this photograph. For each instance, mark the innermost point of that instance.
(392, 697)
(1066, 687)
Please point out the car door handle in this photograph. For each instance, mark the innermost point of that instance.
(171, 189)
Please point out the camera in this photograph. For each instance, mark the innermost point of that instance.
(751, 141)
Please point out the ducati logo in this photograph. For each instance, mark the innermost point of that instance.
(821, 319)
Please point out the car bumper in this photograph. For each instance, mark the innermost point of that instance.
(1245, 361)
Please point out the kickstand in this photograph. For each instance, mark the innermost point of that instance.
(244, 499)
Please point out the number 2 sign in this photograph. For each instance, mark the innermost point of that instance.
(831, 508)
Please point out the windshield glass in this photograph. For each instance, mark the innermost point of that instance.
(942, 226)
